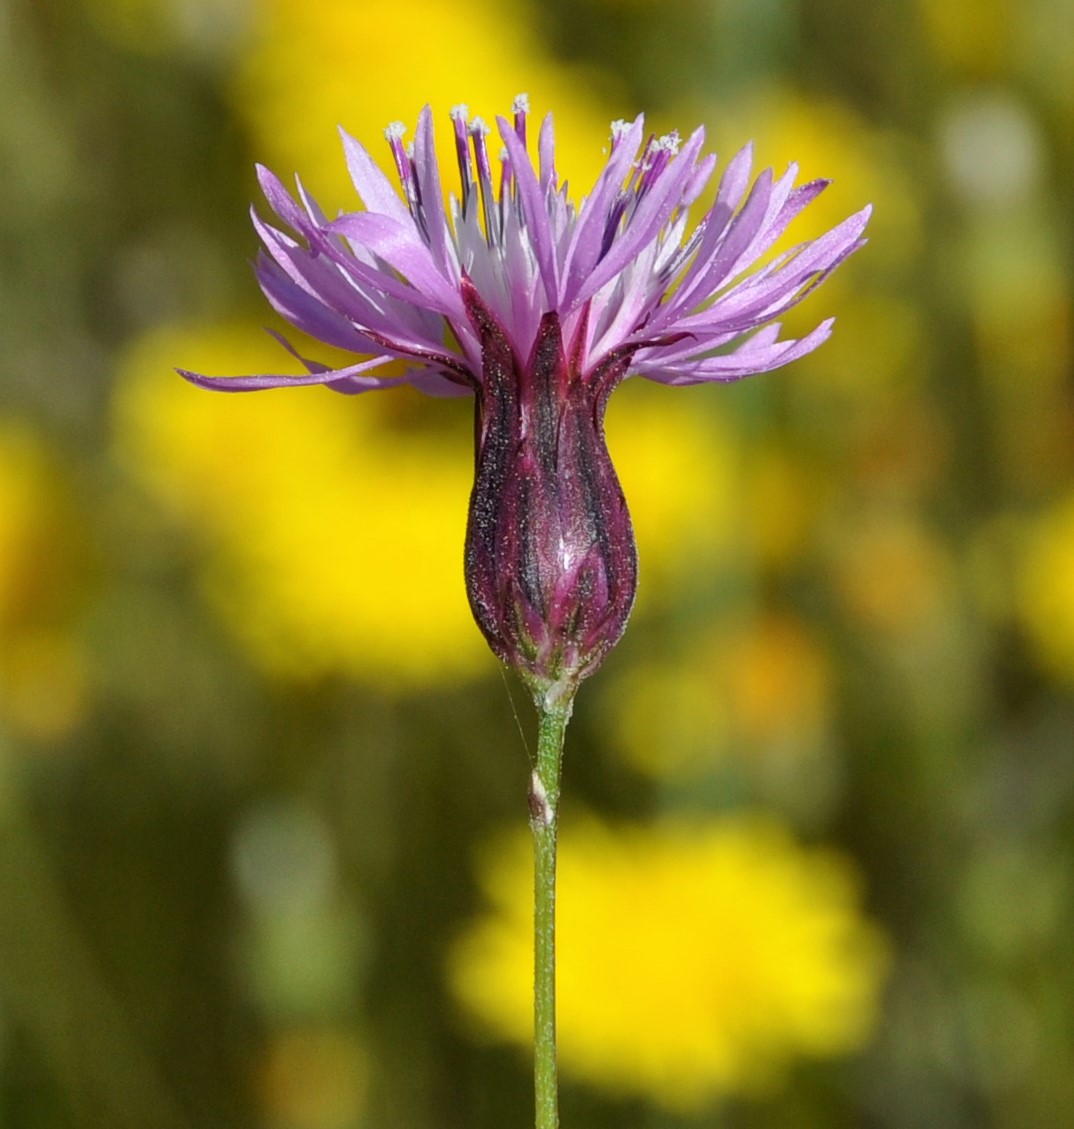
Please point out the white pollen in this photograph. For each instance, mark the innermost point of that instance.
(479, 125)
(521, 104)
(460, 112)
(394, 131)
(669, 143)
(619, 127)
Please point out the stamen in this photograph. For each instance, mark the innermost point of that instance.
(646, 159)
(520, 108)
(627, 198)
(478, 132)
(658, 154)
(459, 114)
(619, 128)
(611, 224)
(404, 164)
(507, 177)
(670, 142)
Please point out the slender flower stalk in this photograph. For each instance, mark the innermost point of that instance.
(539, 306)
(544, 823)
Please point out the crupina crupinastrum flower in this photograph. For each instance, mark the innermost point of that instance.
(539, 307)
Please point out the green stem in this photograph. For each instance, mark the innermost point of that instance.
(544, 807)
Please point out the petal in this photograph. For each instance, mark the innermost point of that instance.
(437, 384)
(700, 177)
(305, 311)
(427, 169)
(315, 273)
(644, 225)
(737, 236)
(281, 201)
(372, 185)
(789, 208)
(535, 210)
(588, 236)
(714, 231)
(546, 153)
(765, 294)
(761, 353)
(350, 374)
(314, 296)
(626, 307)
(401, 248)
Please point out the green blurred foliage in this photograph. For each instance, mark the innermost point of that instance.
(227, 897)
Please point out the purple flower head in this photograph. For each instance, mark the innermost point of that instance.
(540, 306)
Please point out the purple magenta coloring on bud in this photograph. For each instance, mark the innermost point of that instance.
(551, 564)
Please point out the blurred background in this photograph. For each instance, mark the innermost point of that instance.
(263, 856)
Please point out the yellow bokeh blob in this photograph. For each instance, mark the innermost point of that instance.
(693, 961)
(42, 668)
(1046, 591)
(430, 51)
(335, 532)
(678, 464)
(23, 504)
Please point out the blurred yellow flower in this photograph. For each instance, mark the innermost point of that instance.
(335, 527)
(294, 109)
(679, 467)
(1046, 595)
(693, 961)
(42, 673)
(23, 505)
